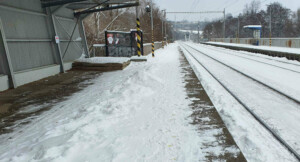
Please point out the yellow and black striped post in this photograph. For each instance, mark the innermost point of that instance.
(153, 48)
(138, 27)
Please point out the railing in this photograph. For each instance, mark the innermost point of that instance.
(277, 42)
(98, 50)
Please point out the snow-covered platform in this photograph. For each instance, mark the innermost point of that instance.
(289, 53)
(102, 63)
(138, 59)
(151, 111)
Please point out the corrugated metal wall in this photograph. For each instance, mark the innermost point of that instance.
(3, 64)
(28, 34)
(65, 24)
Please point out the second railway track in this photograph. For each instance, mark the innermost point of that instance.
(240, 56)
(241, 102)
(296, 100)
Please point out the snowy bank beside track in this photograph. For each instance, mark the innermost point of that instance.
(289, 53)
(256, 143)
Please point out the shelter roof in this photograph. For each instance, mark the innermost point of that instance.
(89, 6)
(253, 27)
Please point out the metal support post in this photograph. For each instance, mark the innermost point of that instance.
(166, 35)
(83, 37)
(11, 74)
(198, 32)
(270, 34)
(152, 30)
(175, 29)
(162, 30)
(53, 34)
(238, 31)
(138, 27)
(224, 28)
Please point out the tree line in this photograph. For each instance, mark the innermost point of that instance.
(124, 20)
(276, 21)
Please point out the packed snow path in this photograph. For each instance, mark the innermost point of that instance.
(139, 114)
(280, 113)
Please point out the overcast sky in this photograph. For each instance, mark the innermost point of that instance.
(232, 6)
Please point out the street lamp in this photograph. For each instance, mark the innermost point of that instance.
(150, 9)
(162, 28)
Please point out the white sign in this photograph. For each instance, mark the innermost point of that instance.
(57, 39)
(110, 40)
(256, 34)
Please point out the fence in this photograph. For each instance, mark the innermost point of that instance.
(277, 42)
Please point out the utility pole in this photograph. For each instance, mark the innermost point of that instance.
(175, 35)
(270, 34)
(198, 32)
(202, 12)
(224, 28)
(162, 28)
(166, 35)
(238, 30)
(152, 30)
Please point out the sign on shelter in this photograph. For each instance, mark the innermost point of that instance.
(122, 44)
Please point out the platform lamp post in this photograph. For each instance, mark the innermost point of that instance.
(198, 32)
(238, 31)
(166, 35)
(224, 25)
(162, 28)
(270, 26)
(149, 8)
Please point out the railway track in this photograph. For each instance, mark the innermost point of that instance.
(246, 53)
(248, 76)
(240, 101)
(247, 58)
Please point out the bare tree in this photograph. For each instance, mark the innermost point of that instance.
(284, 23)
(123, 20)
(252, 8)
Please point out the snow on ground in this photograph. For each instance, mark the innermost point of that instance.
(191, 31)
(278, 49)
(256, 143)
(138, 114)
(280, 79)
(137, 58)
(277, 61)
(104, 60)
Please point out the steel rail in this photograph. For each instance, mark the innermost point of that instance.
(285, 144)
(264, 84)
(258, 61)
(256, 55)
(201, 12)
